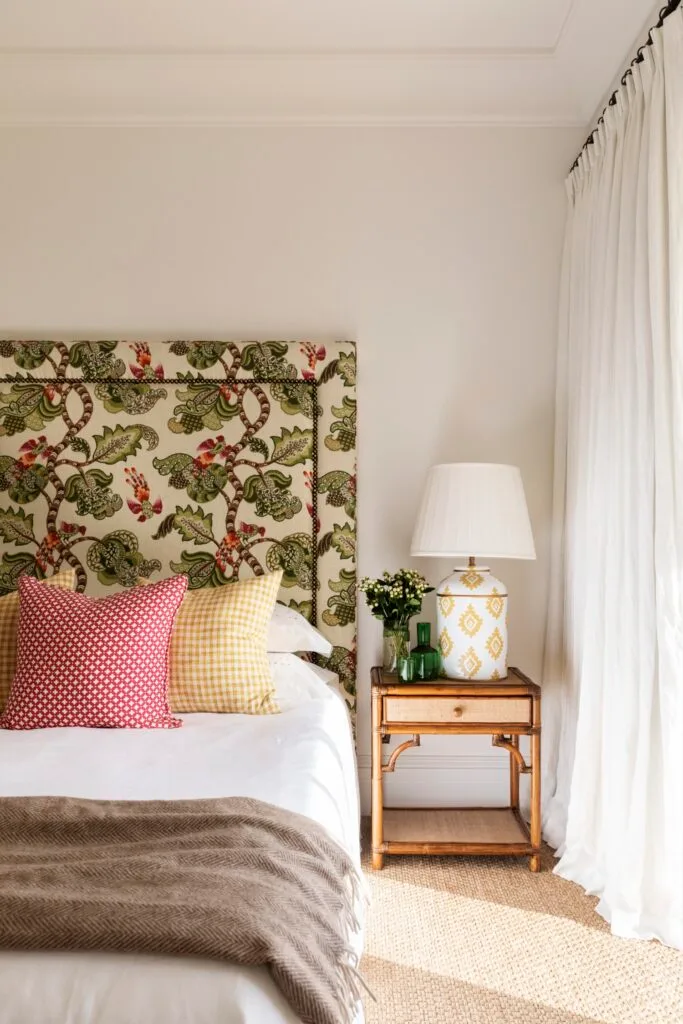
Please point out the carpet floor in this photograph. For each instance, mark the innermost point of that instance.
(484, 941)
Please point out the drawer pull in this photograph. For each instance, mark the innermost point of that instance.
(457, 711)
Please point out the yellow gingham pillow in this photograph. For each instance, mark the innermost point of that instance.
(219, 660)
(9, 619)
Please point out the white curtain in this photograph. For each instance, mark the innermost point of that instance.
(613, 675)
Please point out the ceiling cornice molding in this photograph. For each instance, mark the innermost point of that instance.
(443, 54)
(359, 89)
(500, 64)
(291, 121)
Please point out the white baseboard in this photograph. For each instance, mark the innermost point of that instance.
(438, 780)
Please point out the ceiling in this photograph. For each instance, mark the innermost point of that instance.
(536, 62)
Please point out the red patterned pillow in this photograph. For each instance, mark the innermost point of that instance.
(87, 662)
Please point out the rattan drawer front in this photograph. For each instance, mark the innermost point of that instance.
(454, 709)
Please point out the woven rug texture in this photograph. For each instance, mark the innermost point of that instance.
(484, 941)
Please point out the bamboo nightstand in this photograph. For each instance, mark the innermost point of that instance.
(504, 710)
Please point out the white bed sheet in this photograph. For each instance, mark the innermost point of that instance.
(302, 760)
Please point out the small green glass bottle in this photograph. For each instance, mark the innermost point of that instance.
(426, 658)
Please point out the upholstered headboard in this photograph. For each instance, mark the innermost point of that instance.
(218, 459)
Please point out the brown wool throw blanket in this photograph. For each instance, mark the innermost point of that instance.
(233, 879)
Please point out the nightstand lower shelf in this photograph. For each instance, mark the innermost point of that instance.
(492, 831)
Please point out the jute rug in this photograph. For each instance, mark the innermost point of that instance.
(483, 941)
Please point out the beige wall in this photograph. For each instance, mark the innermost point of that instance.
(437, 250)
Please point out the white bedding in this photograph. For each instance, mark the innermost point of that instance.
(302, 760)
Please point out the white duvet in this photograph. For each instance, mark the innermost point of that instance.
(302, 760)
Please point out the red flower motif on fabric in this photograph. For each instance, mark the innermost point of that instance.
(48, 551)
(69, 532)
(33, 449)
(52, 391)
(210, 450)
(314, 354)
(234, 540)
(142, 368)
(142, 507)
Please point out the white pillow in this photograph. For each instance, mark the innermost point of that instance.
(297, 681)
(290, 632)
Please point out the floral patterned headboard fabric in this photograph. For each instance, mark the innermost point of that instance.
(213, 458)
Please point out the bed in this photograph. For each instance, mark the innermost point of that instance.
(217, 460)
(302, 760)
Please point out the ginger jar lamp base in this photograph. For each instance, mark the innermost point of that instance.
(471, 624)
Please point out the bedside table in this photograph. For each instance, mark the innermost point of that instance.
(505, 710)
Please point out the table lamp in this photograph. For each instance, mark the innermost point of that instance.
(473, 510)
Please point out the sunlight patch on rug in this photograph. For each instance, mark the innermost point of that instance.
(546, 959)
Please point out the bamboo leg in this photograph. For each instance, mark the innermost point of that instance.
(377, 796)
(514, 775)
(535, 827)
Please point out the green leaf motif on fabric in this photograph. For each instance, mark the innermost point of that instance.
(341, 607)
(208, 483)
(92, 494)
(202, 483)
(201, 569)
(344, 427)
(343, 662)
(259, 447)
(267, 360)
(324, 544)
(166, 526)
(203, 354)
(181, 348)
(96, 359)
(14, 565)
(119, 444)
(293, 554)
(341, 538)
(133, 399)
(344, 540)
(340, 488)
(293, 446)
(346, 368)
(7, 470)
(328, 372)
(28, 407)
(177, 466)
(16, 527)
(304, 608)
(193, 525)
(269, 493)
(79, 444)
(203, 406)
(295, 398)
(32, 354)
(116, 559)
(23, 483)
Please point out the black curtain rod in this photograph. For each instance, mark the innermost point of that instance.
(638, 59)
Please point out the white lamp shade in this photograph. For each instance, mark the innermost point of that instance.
(474, 508)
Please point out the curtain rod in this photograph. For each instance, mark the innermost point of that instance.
(638, 59)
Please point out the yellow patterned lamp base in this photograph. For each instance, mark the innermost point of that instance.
(471, 625)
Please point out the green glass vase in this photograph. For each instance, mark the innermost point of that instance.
(426, 658)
